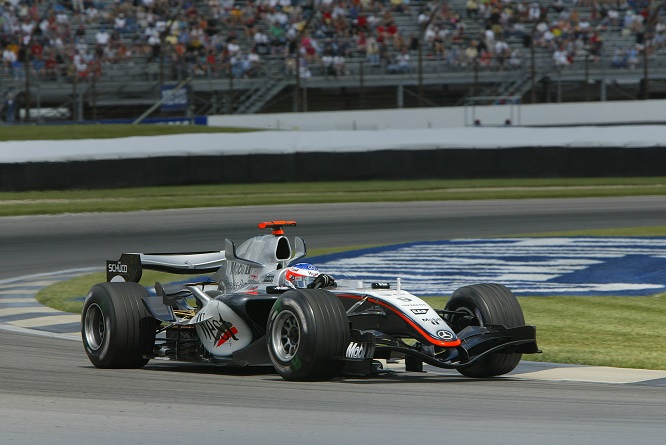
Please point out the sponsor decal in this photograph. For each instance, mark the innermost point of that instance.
(382, 285)
(433, 321)
(356, 350)
(419, 311)
(218, 330)
(238, 284)
(528, 266)
(229, 333)
(240, 269)
(117, 267)
(269, 278)
(445, 335)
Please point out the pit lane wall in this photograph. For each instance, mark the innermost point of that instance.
(328, 155)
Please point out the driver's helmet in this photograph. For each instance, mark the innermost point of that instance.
(301, 275)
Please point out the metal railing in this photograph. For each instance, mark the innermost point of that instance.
(137, 83)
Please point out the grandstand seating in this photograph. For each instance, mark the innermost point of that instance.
(211, 42)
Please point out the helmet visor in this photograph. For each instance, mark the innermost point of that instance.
(301, 281)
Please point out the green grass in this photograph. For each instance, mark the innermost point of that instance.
(66, 295)
(623, 332)
(93, 131)
(119, 200)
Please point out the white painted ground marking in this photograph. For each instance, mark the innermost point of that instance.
(8, 311)
(47, 321)
(596, 374)
(17, 300)
(27, 292)
(36, 284)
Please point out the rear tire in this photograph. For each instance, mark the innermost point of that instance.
(307, 329)
(117, 329)
(487, 304)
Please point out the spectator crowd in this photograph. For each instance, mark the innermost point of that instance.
(84, 39)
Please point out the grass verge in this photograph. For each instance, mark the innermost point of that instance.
(102, 131)
(623, 332)
(132, 199)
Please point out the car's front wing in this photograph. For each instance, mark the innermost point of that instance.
(476, 342)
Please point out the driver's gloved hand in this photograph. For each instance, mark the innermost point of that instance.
(322, 280)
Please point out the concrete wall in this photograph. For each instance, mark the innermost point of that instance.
(581, 113)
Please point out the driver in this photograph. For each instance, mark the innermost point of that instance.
(305, 275)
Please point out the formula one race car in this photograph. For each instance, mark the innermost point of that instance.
(262, 307)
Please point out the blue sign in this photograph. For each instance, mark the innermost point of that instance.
(175, 99)
(527, 266)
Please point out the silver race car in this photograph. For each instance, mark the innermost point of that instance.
(260, 305)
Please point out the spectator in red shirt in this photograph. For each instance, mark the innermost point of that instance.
(362, 22)
(36, 49)
(50, 67)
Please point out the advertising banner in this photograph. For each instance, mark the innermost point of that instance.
(175, 100)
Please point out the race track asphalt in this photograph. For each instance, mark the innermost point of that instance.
(51, 393)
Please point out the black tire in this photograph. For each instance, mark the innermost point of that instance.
(117, 329)
(307, 329)
(487, 304)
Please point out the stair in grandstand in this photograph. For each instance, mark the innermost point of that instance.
(518, 87)
(254, 100)
(492, 93)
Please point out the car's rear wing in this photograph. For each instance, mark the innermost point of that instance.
(266, 253)
(130, 265)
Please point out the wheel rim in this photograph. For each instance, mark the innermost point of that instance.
(286, 336)
(95, 326)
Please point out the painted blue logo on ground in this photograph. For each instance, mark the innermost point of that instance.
(527, 266)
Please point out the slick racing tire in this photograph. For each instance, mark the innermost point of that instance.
(487, 304)
(117, 329)
(306, 334)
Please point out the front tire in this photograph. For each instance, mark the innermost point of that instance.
(117, 329)
(307, 333)
(487, 304)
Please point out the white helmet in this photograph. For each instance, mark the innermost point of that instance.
(301, 275)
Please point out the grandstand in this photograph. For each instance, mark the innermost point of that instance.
(100, 59)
